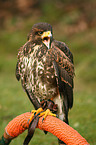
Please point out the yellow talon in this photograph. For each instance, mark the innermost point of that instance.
(46, 113)
(37, 111)
(31, 117)
(34, 112)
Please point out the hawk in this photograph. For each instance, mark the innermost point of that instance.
(45, 67)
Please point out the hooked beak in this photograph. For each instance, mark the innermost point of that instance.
(46, 38)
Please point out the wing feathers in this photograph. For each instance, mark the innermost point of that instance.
(63, 47)
(64, 69)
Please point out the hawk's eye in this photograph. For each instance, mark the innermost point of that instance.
(40, 32)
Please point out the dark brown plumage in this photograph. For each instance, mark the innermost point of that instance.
(46, 69)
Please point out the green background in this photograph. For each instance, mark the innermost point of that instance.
(73, 22)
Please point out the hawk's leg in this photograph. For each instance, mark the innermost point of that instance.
(49, 104)
(46, 108)
(49, 107)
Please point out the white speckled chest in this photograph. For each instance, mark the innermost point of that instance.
(38, 73)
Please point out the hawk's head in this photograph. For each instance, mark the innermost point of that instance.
(41, 32)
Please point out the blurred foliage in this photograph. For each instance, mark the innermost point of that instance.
(47, 10)
(74, 22)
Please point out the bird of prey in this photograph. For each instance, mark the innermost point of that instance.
(45, 67)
